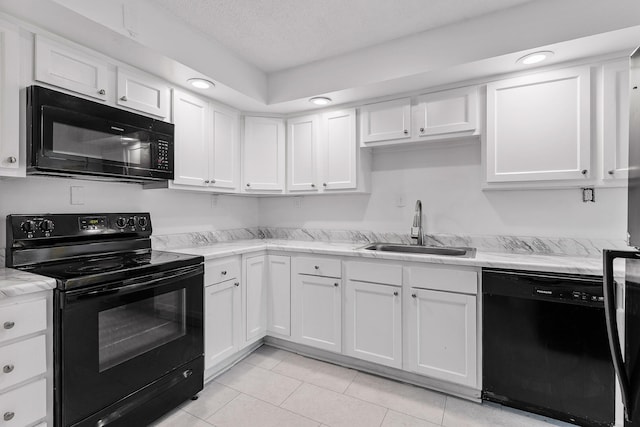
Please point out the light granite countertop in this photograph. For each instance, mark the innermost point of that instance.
(546, 263)
(15, 282)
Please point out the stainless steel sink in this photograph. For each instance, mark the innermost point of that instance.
(427, 250)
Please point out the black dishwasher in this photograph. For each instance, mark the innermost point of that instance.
(545, 347)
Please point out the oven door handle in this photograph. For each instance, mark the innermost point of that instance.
(134, 284)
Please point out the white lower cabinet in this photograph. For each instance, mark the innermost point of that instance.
(373, 322)
(255, 298)
(441, 338)
(25, 405)
(279, 295)
(316, 311)
(222, 321)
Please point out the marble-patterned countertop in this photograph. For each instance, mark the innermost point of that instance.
(15, 282)
(547, 263)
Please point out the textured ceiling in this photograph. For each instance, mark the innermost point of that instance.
(279, 34)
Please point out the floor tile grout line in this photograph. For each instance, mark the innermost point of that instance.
(351, 382)
(289, 395)
(383, 418)
(220, 408)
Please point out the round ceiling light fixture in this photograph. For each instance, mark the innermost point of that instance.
(320, 100)
(535, 57)
(201, 83)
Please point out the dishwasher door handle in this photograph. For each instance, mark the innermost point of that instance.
(612, 326)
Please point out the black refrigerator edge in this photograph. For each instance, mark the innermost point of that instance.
(627, 360)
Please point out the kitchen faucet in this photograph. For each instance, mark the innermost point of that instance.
(416, 229)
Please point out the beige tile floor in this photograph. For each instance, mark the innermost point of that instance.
(276, 388)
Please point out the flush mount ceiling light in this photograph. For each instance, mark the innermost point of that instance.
(320, 100)
(535, 57)
(201, 83)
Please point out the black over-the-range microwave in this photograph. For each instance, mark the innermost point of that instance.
(71, 136)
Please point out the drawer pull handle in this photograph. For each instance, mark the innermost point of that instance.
(335, 284)
(8, 416)
(123, 98)
(102, 92)
(237, 284)
(7, 369)
(317, 267)
(223, 272)
(395, 294)
(9, 325)
(414, 296)
(584, 171)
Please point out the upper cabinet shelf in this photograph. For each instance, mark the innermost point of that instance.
(539, 127)
(433, 116)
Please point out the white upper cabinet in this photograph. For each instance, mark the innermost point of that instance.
(447, 112)
(263, 155)
(139, 91)
(191, 140)
(615, 120)
(224, 166)
(70, 69)
(302, 153)
(340, 154)
(12, 154)
(538, 127)
(385, 120)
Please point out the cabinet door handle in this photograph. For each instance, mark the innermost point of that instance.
(324, 184)
(213, 181)
(414, 296)
(8, 416)
(248, 184)
(406, 132)
(421, 130)
(584, 171)
(223, 272)
(123, 98)
(611, 172)
(206, 181)
(102, 92)
(317, 267)
(313, 186)
(236, 284)
(11, 159)
(336, 284)
(395, 294)
(9, 325)
(7, 369)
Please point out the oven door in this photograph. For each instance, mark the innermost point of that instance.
(115, 340)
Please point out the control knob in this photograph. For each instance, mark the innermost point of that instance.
(131, 222)
(28, 226)
(121, 222)
(142, 222)
(46, 225)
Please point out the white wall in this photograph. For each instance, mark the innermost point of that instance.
(446, 177)
(171, 211)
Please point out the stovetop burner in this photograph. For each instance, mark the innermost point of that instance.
(95, 266)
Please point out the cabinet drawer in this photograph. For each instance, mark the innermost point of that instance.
(318, 266)
(443, 279)
(221, 269)
(373, 272)
(22, 360)
(17, 320)
(24, 405)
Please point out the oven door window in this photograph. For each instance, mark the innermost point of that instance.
(129, 330)
(75, 136)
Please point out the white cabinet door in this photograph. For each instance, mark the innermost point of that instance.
(255, 298)
(192, 136)
(446, 112)
(224, 166)
(279, 295)
(442, 336)
(222, 325)
(71, 69)
(263, 154)
(615, 121)
(302, 153)
(142, 92)
(12, 162)
(339, 148)
(538, 127)
(386, 120)
(317, 311)
(373, 322)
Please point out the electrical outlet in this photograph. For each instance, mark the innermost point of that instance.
(401, 200)
(214, 201)
(297, 202)
(76, 195)
(588, 194)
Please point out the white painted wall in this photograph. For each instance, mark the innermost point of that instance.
(171, 211)
(447, 177)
